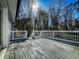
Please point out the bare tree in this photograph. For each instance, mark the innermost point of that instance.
(55, 9)
(65, 15)
(42, 19)
(68, 15)
(29, 7)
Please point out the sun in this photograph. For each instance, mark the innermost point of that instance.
(35, 7)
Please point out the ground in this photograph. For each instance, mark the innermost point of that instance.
(42, 49)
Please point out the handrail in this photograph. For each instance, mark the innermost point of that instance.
(54, 31)
(19, 31)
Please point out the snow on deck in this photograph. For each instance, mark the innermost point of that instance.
(42, 49)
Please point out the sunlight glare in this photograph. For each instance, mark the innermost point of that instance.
(35, 7)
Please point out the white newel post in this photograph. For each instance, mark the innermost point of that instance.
(26, 34)
(53, 34)
(5, 35)
(41, 34)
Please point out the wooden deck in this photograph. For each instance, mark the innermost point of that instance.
(42, 49)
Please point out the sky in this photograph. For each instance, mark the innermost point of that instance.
(44, 4)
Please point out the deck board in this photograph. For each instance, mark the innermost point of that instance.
(42, 49)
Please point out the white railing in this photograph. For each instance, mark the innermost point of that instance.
(18, 35)
(36, 34)
(72, 36)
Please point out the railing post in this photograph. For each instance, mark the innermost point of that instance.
(25, 34)
(12, 35)
(41, 34)
(53, 34)
(74, 37)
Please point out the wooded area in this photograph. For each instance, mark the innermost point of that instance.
(60, 18)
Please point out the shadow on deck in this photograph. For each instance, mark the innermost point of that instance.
(18, 40)
(42, 49)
